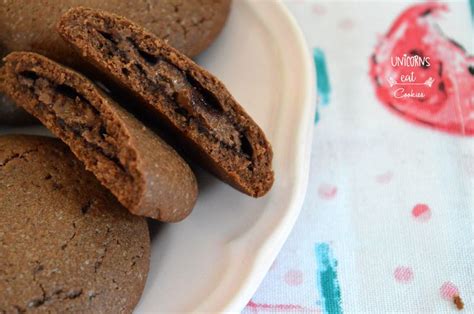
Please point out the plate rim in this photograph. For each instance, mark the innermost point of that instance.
(273, 242)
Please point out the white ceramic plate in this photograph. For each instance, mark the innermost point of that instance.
(215, 259)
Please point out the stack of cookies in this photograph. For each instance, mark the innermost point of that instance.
(123, 100)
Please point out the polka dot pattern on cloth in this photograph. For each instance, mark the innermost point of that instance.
(403, 274)
(448, 290)
(385, 225)
(421, 212)
(346, 24)
(294, 277)
(384, 178)
(327, 191)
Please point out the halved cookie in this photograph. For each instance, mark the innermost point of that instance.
(145, 174)
(190, 101)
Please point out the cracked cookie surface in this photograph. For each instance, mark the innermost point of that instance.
(66, 245)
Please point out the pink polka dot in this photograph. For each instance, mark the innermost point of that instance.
(421, 212)
(318, 9)
(327, 191)
(384, 178)
(294, 277)
(403, 274)
(448, 290)
(346, 24)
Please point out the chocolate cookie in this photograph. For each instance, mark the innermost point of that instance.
(193, 103)
(66, 244)
(188, 25)
(145, 174)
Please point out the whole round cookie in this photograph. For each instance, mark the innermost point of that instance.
(66, 245)
(188, 25)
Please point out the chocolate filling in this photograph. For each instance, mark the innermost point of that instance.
(69, 111)
(184, 97)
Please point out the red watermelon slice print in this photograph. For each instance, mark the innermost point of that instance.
(422, 75)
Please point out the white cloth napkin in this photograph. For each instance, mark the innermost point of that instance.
(387, 225)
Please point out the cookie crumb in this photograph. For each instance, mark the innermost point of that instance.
(458, 302)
